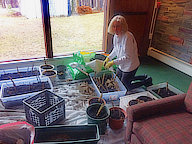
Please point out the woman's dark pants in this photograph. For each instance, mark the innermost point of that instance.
(129, 78)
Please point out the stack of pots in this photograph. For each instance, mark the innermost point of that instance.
(48, 70)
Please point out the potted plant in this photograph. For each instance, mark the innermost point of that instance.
(61, 71)
(96, 100)
(51, 74)
(98, 114)
(46, 66)
(163, 90)
(116, 118)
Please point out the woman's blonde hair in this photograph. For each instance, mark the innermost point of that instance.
(120, 19)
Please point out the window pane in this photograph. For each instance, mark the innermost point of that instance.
(74, 30)
(21, 30)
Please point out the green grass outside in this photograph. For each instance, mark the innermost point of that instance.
(23, 38)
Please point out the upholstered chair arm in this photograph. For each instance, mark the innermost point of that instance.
(164, 105)
(147, 109)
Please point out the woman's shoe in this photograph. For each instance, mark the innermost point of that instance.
(148, 81)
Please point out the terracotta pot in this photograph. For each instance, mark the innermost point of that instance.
(116, 118)
(95, 100)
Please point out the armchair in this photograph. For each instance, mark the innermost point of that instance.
(163, 121)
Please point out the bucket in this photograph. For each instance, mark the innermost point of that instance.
(101, 119)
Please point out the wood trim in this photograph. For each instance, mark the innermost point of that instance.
(105, 24)
(46, 28)
(131, 13)
(146, 39)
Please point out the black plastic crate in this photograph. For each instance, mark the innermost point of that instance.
(70, 134)
(44, 108)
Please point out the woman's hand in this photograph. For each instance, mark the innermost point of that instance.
(109, 64)
(106, 61)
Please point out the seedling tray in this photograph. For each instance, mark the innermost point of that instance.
(108, 96)
(84, 134)
(163, 85)
(18, 73)
(13, 95)
(124, 101)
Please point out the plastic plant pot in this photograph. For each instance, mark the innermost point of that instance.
(61, 69)
(46, 67)
(101, 119)
(96, 100)
(116, 118)
(51, 74)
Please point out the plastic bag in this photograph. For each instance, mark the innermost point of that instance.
(76, 74)
(17, 133)
(80, 58)
(83, 57)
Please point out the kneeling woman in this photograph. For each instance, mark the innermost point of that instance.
(126, 51)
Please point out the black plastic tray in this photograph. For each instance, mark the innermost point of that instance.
(85, 134)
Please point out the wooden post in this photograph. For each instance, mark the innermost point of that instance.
(47, 28)
(94, 3)
(98, 5)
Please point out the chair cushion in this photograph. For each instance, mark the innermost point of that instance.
(188, 99)
(175, 128)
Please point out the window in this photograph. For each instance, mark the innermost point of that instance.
(77, 25)
(74, 25)
(21, 30)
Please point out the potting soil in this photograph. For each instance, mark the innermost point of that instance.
(46, 67)
(140, 99)
(93, 111)
(95, 100)
(116, 114)
(8, 76)
(49, 73)
(24, 89)
(163, 92)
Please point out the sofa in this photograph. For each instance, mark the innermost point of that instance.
(163, 121)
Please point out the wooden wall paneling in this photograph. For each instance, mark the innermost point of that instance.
(138, 14)
(136, 25)
(131, 5)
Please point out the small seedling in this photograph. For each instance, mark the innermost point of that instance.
(19, 72)
(166, 86)
(32, 68)
(45, 61)
(13, 84)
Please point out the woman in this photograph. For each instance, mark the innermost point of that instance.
(125, 48)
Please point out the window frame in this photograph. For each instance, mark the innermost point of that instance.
(47, 27)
